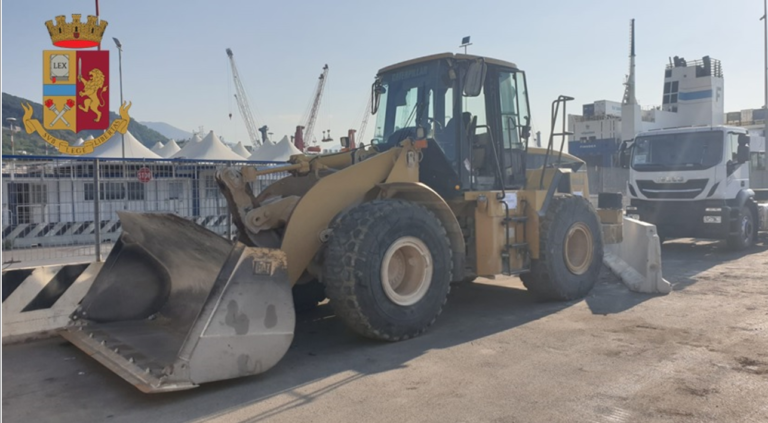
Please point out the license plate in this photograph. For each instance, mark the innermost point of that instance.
(712, 219)
(633, 216)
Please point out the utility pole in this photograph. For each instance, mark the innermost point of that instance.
(120, 67)
(122, 136)
(765, 68)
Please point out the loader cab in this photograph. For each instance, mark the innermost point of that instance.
(474, 112)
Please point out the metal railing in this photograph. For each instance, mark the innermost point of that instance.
(64, 209)
(716, 68)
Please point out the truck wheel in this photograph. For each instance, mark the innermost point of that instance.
(387, 269)
(745, 236)
(570, 251)
(307, 296)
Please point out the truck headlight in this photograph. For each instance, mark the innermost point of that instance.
(713, 209)
(712, 219)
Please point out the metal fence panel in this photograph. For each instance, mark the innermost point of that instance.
(50, 204)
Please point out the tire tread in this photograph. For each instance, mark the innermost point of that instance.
(341, 274)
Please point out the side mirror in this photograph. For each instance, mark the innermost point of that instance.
(526, 130)
(376, 91)
(475, 78)
(742, 153)
(624, 154)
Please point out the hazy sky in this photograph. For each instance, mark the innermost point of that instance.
(175, 69)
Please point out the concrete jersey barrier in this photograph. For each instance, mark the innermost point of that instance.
(637, 259)
(39, 300)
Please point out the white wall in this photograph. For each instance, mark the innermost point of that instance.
(599, 129)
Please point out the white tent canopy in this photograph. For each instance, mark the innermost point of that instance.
(186, 151)
(169, 149)
(279, 152)
(210, 148)
(241, 150)
(157, 147)
(113, 148)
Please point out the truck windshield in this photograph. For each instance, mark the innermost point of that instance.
(694, 150)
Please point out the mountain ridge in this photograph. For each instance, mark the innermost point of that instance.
(168, 130)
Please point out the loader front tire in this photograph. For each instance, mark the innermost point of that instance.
(570, 253)
(387, 269)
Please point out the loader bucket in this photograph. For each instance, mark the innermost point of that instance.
(176, 305)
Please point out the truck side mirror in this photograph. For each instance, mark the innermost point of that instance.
(742, 152)
(624, 154)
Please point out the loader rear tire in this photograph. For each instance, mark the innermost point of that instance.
(387, 269)
(570, 253)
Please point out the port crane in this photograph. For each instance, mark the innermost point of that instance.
(242, 101)
(305, 131)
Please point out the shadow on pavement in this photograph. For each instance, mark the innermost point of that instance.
(324, 356)
(610, 296)
(682, 261)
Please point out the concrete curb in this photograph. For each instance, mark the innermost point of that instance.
(37, 301)
(637, 259)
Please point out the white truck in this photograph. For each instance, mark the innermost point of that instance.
(694, 182)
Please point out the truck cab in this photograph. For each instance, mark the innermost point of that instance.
(693, 182)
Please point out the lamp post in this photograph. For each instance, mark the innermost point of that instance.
(122, 136)
(120, 70)
(11, 121)
(765, 26)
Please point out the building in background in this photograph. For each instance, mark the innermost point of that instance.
(754, 121)
(692, 96)
(596, 132)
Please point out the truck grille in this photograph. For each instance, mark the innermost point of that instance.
(688, 189)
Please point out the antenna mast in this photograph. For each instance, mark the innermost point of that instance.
(629, 89)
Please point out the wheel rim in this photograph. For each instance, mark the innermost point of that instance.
(746, 228)
(578, 248)
(406, 271)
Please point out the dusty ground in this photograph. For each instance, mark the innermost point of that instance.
(699, 354)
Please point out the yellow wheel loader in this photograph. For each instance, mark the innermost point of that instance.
(440, 195)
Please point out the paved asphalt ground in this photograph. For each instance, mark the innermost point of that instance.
(699, 354)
